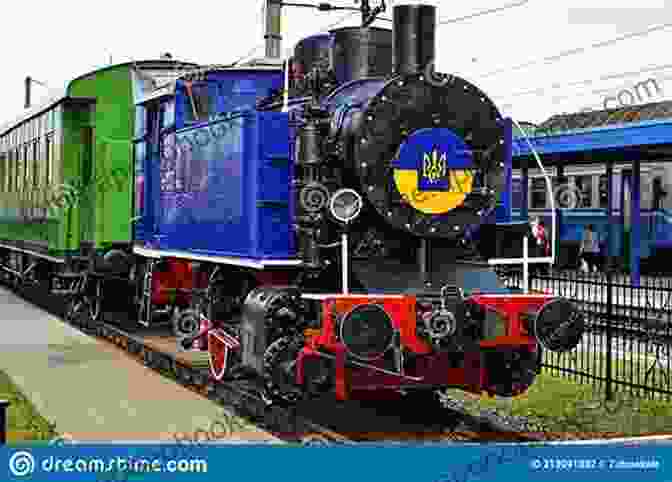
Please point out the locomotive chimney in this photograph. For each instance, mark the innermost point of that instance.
(414, 37)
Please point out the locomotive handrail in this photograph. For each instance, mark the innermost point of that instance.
(526, 260)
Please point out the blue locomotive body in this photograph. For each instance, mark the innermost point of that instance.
(219, 182)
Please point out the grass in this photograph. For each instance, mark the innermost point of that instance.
(561, 406)
(24, 423)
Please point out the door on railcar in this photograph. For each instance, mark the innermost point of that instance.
(147, 174)
(626, 215)
(87, 204)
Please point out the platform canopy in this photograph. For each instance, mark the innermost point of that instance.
(643, 132)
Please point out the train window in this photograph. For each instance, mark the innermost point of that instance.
(140, 154)
(3, 159)
(28, 172)
(19, 169)
(36, 164)
(538, 193)
(199, 103)
(49, 160)
(603, 191)
(140, 121)
(10, 170)
(167, 114)
(584, 185)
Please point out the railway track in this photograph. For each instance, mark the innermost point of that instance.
(317, 421)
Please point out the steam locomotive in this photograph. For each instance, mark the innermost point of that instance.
(323, 225)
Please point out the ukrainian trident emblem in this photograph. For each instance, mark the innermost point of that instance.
(434, 166)
(434, 175)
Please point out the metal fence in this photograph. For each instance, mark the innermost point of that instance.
(628, 339)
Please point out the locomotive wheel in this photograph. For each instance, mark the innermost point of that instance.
(280, 369)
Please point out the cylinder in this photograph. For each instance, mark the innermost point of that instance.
(414, 37)
(360, 52)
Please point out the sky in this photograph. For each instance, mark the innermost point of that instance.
(502, 53)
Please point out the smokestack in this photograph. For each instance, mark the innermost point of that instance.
(29, 81)
(273, 37)
(414, 37)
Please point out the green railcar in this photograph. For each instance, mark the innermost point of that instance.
(66, 167)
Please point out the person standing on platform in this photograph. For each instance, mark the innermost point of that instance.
(543, 245)
(540, 244)
(590, 248)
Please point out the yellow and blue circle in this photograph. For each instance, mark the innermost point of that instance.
(434, 170)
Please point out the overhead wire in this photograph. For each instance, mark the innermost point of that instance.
(578, 50)
(585, 82)
(483, 12)
(260, 20)
(445, 20)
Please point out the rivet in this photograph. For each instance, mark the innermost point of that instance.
(363, 164)
(370, 188)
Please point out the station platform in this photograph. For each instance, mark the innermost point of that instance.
(95, 392)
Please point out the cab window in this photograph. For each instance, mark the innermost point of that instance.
(199, 102)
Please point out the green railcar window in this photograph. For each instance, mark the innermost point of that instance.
(3, 161)
(49, 160)
(19, 169)
(10, 171)
(28, 172)
(36, 164)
